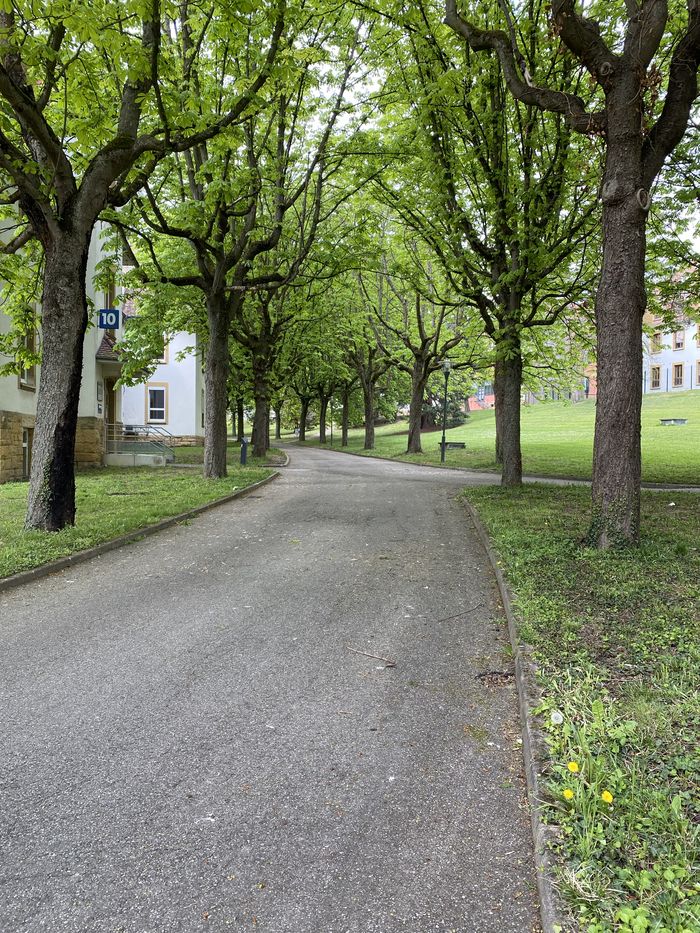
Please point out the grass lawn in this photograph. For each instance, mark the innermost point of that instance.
(192, 454)
(616, 636)
(557, 439)
(110, 502)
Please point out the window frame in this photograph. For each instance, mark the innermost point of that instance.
(681, 345)
(674, 383)
(26, 378)
(657, 370)
(148, 418)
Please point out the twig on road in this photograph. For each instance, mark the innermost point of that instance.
(378, 657)
(459, 614)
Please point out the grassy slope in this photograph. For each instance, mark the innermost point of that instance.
(110, 502)
(557, 439)
(617, 639)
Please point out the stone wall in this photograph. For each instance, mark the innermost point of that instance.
(11, 425)
(90, 442)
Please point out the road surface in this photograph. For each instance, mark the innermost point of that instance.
(188, 743)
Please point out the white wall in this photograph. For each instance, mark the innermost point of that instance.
(183, 382)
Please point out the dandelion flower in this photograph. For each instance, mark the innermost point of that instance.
(573, 767)
(607, 796)
(568, 794)
(557, 718)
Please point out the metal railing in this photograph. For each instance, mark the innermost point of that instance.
(139, 439)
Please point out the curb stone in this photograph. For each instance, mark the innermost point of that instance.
(43, 570)
(535, 751)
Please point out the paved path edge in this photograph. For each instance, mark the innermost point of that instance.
(43, 570)
(529, 477)
(535, 751)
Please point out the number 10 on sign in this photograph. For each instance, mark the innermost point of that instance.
(109, 319)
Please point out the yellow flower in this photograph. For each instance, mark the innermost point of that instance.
(568, 794)
(607, 796)
(573, 767)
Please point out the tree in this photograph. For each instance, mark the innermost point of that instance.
(94, 98)
(505, 203)
(249, 208)
(644, 58)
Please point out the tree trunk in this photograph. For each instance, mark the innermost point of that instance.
(620, 306)
(261, 419)
(278, 422)
(368, 394)
(216, 369)
(303, 413)
(51, 503)
(345, 417)
(418, 380)
(508, 379)
(323, 414)
(240, 420)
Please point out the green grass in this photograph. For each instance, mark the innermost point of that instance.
(195, 454)
(557, 439)
(616, 637)
(110, 502)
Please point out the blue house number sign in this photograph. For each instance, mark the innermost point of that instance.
(109, 319)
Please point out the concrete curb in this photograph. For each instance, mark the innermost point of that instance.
(530, 477)
(36, 573)
(535, 752)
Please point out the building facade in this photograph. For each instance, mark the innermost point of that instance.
(672, 359)
(173, 397)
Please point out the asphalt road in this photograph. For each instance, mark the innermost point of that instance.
(188, 743)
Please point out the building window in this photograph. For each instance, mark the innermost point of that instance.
(27, 440)
(27, 374)
(697, 373)
(677, 375)
(657, 344)
(156, 404)
(679, 340)
(656, 377)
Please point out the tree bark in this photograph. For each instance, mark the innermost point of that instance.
(620, 306)
(419, 378)
(278, 422)
(51, 503)
(508, 380)
(240, 420)
(303, 413)
(345, 418)
(216, 369)
(261, 419)
(368, 395)
(323, 414)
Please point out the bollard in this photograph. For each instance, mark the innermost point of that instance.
(244, 451)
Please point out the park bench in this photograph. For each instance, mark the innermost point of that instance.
(454, 445)
(666, 421)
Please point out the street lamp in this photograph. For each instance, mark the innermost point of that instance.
(446, 367)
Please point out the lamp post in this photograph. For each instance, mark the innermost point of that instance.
(446, 367)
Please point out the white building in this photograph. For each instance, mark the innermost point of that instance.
(672, 360)
(173, 397)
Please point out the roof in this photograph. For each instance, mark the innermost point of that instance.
(106, 351)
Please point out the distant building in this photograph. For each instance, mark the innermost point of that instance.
(672, 357)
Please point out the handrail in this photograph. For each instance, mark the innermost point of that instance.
(139, 432)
